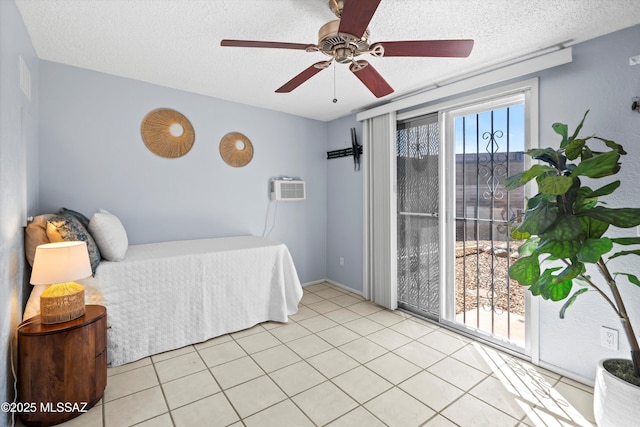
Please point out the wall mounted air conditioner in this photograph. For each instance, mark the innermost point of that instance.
(288, 190)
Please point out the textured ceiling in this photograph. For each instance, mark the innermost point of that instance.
(176, 43)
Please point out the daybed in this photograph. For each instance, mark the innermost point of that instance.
(163, 296)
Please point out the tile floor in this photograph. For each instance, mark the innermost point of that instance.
(340, 361)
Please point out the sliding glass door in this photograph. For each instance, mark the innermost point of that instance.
(486, 144)
(417, 150)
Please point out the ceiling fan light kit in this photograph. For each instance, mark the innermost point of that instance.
(347, 37)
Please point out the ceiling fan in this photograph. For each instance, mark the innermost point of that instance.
(347, 37)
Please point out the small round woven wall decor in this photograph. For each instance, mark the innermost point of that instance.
(167, 133)
(236, 149)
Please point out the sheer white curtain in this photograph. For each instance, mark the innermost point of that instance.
(380, 241)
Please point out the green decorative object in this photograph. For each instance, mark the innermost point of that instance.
(566, 223)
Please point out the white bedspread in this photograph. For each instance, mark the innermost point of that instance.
(164, 296)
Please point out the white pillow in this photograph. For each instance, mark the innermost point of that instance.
(109, 234)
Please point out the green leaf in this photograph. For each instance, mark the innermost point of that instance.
(566, 227)
(598, 166)
(584, 205)
(548, 155)
(603, 191)
(572, 195)
(626, 240)
(571, 300)
(570, 272)
(584, 191)
(514, 181)
(633, 279)
(623, 253)
(593, 249)
(560, 248)
(574, 149)
(537, 220)
(551, 290)
(540, 199)
(555, 185)
(535, 289)
(622, 217)
(519, 179)
(586, 153)
(593, 228)
(562, 130)
(612, 145)
(526, 270)
(529, 247)
(575, 134)
(517, 235)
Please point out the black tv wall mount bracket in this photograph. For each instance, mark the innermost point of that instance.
(355, 151)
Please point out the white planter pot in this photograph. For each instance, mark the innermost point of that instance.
(616, 403)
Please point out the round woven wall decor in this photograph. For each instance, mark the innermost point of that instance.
(167, 133)
(236, 149)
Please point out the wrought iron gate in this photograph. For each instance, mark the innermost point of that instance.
(489, 147)
(418, 235)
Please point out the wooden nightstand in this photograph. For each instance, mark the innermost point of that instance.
(62, 368)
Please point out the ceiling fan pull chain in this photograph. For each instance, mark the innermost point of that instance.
(334, 84)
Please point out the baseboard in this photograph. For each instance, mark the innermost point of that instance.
(345, 287)
(315, 282)
(334, 283)
(568, 374)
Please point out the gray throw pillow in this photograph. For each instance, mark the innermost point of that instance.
(64, 227)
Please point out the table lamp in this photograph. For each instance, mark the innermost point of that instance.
(58, 265)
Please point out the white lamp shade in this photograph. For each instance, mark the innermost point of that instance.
(60, 263)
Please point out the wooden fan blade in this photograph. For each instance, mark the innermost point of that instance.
(435, 48)
(371, 78)
(356, 15)
(302, 77)
(273, 45)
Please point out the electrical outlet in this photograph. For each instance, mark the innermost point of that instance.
(341, 261)
(609, 338)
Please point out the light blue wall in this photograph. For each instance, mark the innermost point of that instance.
(18, 140)
(344, 207)
(92, 156)
(601, 80)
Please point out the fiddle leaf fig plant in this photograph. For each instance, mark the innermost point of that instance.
(566, 222)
